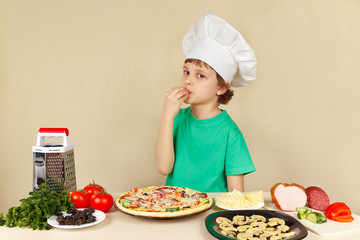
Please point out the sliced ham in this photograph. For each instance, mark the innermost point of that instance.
(288, 197)
(317, 198)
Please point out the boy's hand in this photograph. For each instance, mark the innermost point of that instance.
(173, 100)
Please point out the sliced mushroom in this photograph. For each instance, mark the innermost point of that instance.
(258, 218)
(238, 218)
(241, 222)
(243, 235)
(259, 225)
(275, 237)
(243, 228)
(265, 236)
(232, 235)
(219, 220)
(225, 225)
(217, 229)
(270, 229)
(289, 234)
(283, 228)
(247, 220)
(278, 220)
(229, 229)
(224, 233)
(253, 231)
(272, 232)
(227, 233)
(272, 224)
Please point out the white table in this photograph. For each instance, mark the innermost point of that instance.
(118, 225)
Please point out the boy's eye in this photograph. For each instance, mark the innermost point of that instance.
(200, 75)
(186, 72)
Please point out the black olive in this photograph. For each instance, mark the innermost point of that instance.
(77, 217)
(67, 222)
(79, 222)
(60, 218)
(71, 210)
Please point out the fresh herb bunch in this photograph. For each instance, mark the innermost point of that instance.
(34, 211)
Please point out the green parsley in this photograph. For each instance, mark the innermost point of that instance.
(34, 211)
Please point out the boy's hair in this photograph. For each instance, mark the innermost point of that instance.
(226, 97)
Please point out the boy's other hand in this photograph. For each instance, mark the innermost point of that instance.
(173, 100)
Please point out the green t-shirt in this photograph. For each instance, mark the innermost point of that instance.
(206, 151)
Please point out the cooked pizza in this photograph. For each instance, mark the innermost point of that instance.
(163, 202)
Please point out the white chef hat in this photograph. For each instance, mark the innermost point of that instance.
(215, 42)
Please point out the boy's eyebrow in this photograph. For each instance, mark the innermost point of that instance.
(200, 69)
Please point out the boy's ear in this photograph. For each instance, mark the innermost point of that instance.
(222, 89)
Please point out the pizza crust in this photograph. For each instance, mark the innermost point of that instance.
(176, 214)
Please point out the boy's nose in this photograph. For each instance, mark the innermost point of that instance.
(188, 81)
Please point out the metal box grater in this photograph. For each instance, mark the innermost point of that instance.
(55, 160)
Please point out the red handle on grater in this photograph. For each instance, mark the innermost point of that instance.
(54, 130)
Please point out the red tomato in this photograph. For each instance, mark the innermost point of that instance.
(101, 201)
(339, 212)
(133, 206)
(92, 187)
(80, 199)
(134, 190)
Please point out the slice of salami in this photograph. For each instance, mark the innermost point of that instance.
(317, 198)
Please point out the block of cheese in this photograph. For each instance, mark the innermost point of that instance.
(256, 197)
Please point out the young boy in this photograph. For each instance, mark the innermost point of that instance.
(200, 147)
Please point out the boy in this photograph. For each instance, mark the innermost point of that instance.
(200, 147)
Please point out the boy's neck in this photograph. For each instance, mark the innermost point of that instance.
(204, 111)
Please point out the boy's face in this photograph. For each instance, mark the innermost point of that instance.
(201, 83)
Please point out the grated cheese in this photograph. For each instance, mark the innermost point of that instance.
(235, 200)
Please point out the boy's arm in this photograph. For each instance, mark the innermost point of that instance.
(165, 148)
(235, 182)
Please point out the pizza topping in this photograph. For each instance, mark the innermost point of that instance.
(204, 200)
(172, 209)
(141, 200)
(133, 205)
(125, 203)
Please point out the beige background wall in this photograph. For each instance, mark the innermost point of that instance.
(100, 68)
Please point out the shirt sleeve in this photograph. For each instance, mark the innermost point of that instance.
(177, 119)
(238, 159)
